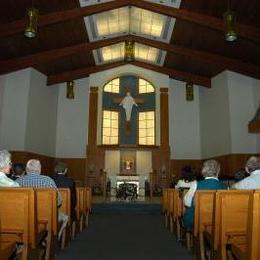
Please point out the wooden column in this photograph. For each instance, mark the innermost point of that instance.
(95, 155)
(164, 114)
(92, 118)
(161, 156)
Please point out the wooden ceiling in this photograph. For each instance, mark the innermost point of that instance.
(196, 52)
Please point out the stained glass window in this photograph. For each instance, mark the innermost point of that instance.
(110, 127)
(146, 128)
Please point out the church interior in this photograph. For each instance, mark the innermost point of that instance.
(128, 94)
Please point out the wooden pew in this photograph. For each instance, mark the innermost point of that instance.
(171, 193)
(179, 210)
(47, 213)
(66, 209)
(7, 249)
(18, 218)
(250, 250)
(229, 220)
(165, 206)
(80, 206)
(87, 204)
(203, 217)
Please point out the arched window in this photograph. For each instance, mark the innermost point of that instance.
(112, 86)
(145, 86)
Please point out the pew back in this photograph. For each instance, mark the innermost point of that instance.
(66, 201)
(17, 214)
(254, 227)
(204, 201)
(80, 201)
(231, 215)
(47, 211)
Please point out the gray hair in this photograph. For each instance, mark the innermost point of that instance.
(252, 164)
(210, 168)
(5, 159)
(33, 166)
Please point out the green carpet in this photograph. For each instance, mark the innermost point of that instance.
(118, 237)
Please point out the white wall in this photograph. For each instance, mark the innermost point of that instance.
(42, 115)
(256, 94)
(184, 122)
(15, 90)
(157, 79)
(2, 89)
(72, 121)
(214, 118)
(242, 109)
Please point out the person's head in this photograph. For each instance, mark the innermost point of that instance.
(5, 161)
(252, 164)
(211, 168)
(19, 169)
(128, 93)
(187, 173)
(33, 166)
(60, 168)
(240, 175)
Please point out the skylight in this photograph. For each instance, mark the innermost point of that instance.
(116, 52)
(129, 20)
(113, 52)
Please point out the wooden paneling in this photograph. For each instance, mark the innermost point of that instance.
(47, 162)
(230, 164)
(76, 166)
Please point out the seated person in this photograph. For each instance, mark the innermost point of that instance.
(252, 182)
(18, 171)
(5, 167)
(34, 179)
(62, 181)
(210, 172)
(187, 178)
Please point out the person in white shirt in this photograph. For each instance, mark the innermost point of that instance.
(5, 167)
(252, 182)
(188, 177)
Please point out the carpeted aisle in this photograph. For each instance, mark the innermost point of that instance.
(125, 237)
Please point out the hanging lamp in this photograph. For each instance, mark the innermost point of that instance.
(31, 24)
(230, 25)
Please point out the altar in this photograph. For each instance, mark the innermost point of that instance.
(116, 180)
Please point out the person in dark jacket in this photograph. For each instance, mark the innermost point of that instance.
(62, 181)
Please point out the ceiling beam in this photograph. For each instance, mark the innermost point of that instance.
(224, 62)
(80, 73)
(236, 65)
(61, 16)
(84, 72)
(176, 74)
(245, 31)
(13, 64)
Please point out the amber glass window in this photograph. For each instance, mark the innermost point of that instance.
(145, 86)
(112, 86)
(146, 129)
(110, 127)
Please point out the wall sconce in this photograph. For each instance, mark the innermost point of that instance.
(32, 15)
(129, 50)
(70, 89)
(189, 91)
(230, 24)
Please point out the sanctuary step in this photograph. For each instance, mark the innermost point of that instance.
(120, 208)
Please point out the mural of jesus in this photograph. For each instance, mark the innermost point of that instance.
(128, 102)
